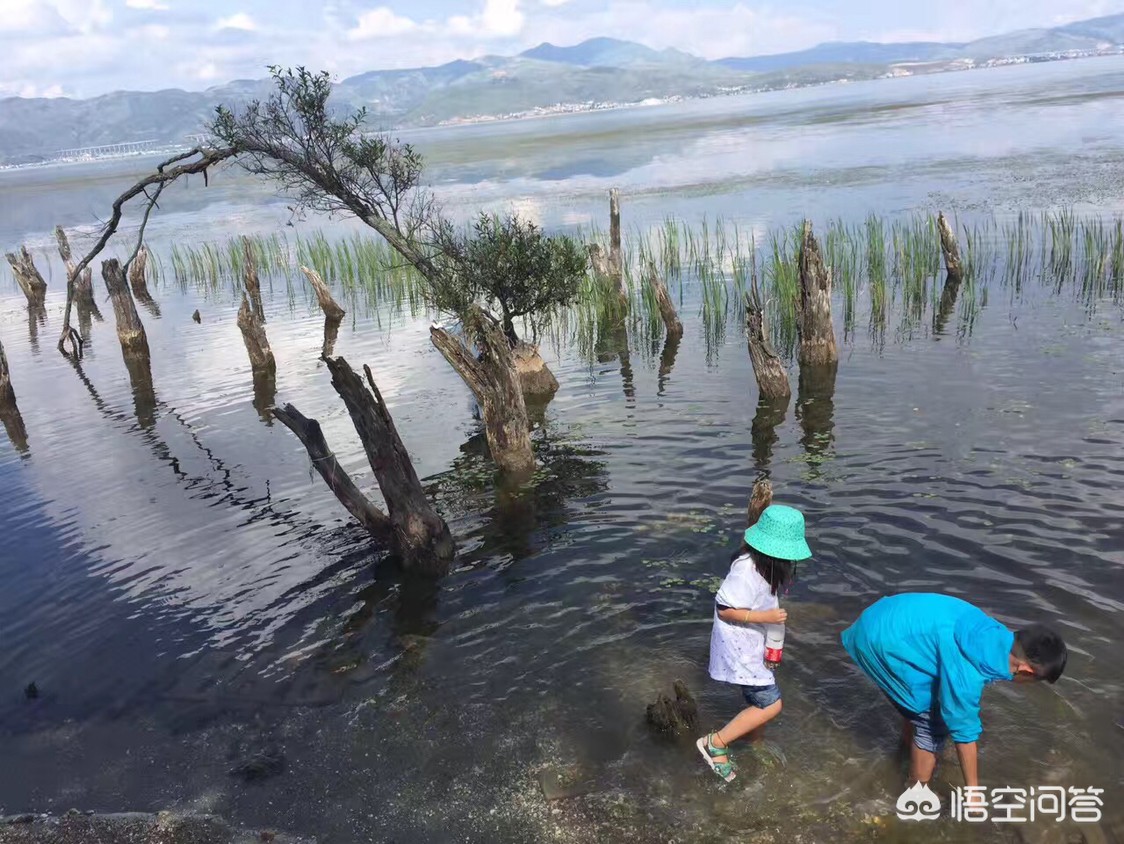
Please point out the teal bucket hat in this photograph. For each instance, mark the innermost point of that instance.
(779, 533)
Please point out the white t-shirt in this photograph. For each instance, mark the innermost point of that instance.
(737, 651)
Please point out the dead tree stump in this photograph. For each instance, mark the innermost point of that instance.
(616, 265)
(79, 293)
(768, 368)
(253, 335)
(495, 384)
(331, 334)
(950, 249)
(328, 305)
(339, 482)
(250, 277)
(535, 377)
(137, 276)
(674, 717)
(416, 532)
(663, 299)
(813, 305)
(27, 277)
(130, 329)
(760, 498)
(599, 261)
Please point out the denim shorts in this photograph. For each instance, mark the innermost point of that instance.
(929, 730)
(761, 696)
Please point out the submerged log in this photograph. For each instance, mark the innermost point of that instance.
(950, 249)
(759, 498)
(27, 277)
(813, 305)
(130, 329)
(535, 377)
(768, 368)
(328, 305)
(257, 343)
(663, 299)
(675, 717)
(495, 384)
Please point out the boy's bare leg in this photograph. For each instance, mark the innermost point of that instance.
(922, 763)
(907, 734)
(745, 722)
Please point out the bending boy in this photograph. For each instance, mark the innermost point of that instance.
(932, 655)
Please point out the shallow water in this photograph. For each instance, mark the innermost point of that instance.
(186, 593)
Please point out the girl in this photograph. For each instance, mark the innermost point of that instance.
(745, 603)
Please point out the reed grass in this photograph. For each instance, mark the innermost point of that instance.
(890, 264)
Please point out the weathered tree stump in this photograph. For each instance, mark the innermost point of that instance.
(813, 305)
(759, 498)
(251, 280)
(495, 384)
(950, 249)
(328, 305)
(138, 279)
(535, 377)
(663, 299)
(130, 329)
(768, 368)
(674, 717)
(253, 335)
(411, 525)
(27, 277)
(79, 293)
(331, 334)
(599, 261)
(616, 266)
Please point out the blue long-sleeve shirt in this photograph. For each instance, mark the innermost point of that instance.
(923, 648)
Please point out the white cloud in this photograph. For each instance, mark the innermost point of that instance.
(553, 3)
(240, 20)
(152, 5)
(498, 19)
(380, 23)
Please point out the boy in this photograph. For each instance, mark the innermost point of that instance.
(932, 655)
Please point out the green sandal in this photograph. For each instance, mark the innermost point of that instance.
(726, 770)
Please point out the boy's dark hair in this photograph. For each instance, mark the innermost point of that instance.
(775, 571)
(1044, 649)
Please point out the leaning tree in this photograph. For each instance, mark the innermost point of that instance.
(323, 159)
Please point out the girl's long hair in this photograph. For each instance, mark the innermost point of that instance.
(776, 572)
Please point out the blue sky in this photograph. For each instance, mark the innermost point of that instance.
(89, 47)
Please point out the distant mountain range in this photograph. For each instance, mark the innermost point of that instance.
(601, 72)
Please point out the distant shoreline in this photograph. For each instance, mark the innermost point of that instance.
(901, 70)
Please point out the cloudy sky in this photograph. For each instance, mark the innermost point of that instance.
(88, 47)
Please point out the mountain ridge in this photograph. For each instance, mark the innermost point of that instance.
(598, 72)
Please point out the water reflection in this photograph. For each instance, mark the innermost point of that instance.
(139, 367)
(947, 306)
(770, 414)
(667, 359)
(36, 317)
(815, 409)
(265, 394)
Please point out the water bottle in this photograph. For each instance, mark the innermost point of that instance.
(774, 645)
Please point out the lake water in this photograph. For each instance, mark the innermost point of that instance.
(186, 594)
